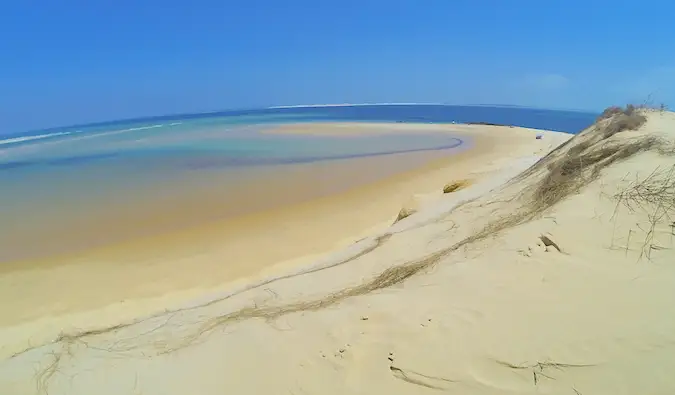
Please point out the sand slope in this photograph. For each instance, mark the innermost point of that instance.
(505, 287)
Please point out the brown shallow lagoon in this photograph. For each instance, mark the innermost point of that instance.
(209, 227)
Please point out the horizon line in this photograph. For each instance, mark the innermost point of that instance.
(353, 105)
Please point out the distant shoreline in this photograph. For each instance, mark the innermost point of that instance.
(353, 105)
(489, 124)
(134, 121)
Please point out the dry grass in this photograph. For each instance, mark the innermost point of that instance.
(576, 170)
(585, 159)
(456, 186)
(655, 190)
(387, 278)
(654, 198)
(616, 119)
(624, 122)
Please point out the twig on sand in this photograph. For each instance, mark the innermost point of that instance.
(539, 367)
(43, 376)
(420, 379)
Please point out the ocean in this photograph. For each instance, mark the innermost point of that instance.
(125, 177)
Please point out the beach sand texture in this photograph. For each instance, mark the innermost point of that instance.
(551, 273)
(147, 275)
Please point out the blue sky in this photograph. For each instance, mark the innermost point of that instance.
(83, 61)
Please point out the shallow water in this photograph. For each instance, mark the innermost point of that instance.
(91, 190)
(80, 187)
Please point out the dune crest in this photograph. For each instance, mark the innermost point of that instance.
(555, 275)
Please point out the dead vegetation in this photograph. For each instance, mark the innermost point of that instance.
(540, 369)
(420, 379)
(566, 171)
(405, 212)
(456, 186)
(577, 169)
(617, 111)
(654, 198)
(655, 190)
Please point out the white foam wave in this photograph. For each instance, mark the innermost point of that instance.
(29, 138)
(141, 128)
(114, 132)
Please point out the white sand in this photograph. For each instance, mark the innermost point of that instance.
(499, 314)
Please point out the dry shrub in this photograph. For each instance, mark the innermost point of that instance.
(455, 186)
(404, 213)
(623, 122)
(610, 112)
(630, 109)
(615, 119)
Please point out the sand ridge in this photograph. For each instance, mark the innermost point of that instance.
(482, 291)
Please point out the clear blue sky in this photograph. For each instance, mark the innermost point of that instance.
(66, 62)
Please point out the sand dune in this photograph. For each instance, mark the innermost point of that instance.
(551, 274)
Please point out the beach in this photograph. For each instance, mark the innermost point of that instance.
(530, 278)
(141, 277)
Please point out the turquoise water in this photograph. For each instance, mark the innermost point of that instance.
(87, 163)
(81, 187)
(234, 140)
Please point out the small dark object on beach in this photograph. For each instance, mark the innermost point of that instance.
(488, 124)
(456, 186)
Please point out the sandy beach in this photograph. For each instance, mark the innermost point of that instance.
(147, 275)
(549, 272)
